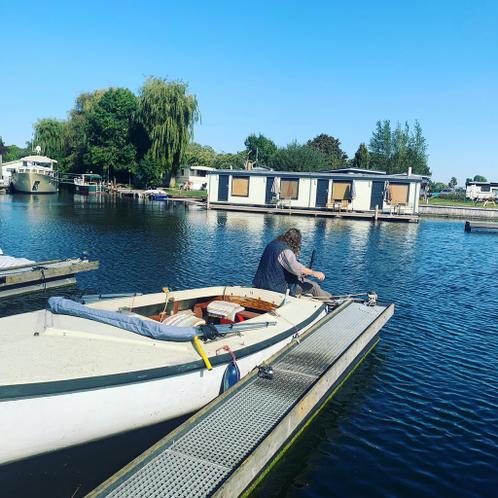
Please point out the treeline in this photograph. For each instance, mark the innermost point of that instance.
(390, 150)
(146, 135)
(117, 133)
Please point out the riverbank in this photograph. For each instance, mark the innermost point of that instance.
(458, 212)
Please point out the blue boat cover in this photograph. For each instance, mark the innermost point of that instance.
(148, 328)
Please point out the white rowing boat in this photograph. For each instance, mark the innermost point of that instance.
(67, 380)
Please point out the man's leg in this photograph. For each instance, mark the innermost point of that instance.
(310, 287)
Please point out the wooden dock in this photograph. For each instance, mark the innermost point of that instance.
(42, 275)
(228, 447)
(472, 226)
(327, 213)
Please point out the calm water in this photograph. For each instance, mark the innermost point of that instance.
(418, 418)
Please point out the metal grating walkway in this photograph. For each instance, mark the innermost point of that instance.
(202, 457)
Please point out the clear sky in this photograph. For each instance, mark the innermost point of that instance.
(290, 70)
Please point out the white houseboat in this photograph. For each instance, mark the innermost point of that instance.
(350, 191)
(193, 177)
(31, 175)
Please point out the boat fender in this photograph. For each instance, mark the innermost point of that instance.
(232, 373)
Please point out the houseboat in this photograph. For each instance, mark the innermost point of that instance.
(32, 175)
(193, 177)
(89, 183)
(343, 192)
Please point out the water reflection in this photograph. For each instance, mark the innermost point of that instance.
(426, 392)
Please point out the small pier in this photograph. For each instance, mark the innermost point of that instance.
(472, 226)
(228, 446)
(42, 275)
(361, 215)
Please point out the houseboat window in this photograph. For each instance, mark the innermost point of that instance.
(289, 188)
(341, 191)
(240, 186)
(485, 188)
(399, 193)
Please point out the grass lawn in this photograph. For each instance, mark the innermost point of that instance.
(438, 201)
(186, 193)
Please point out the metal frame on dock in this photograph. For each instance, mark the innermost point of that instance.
(226, 447)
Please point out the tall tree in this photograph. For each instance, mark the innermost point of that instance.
(361, 158)
(418, 151)
(168, 114)
(400, 160)
(49, 135)
(259, 149)
(453, 182)
(109, 125)
(331, 148)
(76, 147)
(297, 157)
(380, 146)
(199, 155)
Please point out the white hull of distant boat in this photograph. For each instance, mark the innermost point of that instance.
(34, 182)
(67, 380)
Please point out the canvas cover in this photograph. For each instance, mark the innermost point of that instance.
(131, 323)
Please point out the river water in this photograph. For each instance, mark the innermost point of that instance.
(418, 418)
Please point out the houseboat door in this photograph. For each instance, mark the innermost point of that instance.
(322, 193)
(377, 198)
(223, 188)
(269, 186)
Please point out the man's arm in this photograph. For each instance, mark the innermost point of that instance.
(288, 260)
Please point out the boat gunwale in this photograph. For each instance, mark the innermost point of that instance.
(60, 387)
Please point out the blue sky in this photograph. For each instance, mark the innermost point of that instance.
(290, 70)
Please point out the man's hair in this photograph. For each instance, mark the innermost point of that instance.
(293, 239)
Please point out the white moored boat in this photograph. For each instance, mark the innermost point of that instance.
(35, 175)
(67, 378)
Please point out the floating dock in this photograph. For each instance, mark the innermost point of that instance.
(228, 446)
(42, 275)
(471, 226)
(327, 213)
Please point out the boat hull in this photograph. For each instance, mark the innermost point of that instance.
(34, 183)
(41, 424)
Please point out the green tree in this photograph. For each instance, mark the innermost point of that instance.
(437, 186)
(298, 157)
(361, 158)
(331, 148)
(380, 147)
(401, 155)
(168, 114)
(228, 160)
(109, 124)
(453, 182)
(480, 178)
(199, 155)
(76, 147)
(149, 173)
(49, 134)
(259, 149)
(418, 151)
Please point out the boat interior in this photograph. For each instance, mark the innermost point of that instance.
(213, 309)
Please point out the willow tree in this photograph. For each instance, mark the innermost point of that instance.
(168, 114)
(49, 135)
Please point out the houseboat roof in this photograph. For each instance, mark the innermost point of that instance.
(332, 174)
(491, 184)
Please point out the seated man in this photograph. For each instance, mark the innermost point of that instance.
(280, 270)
